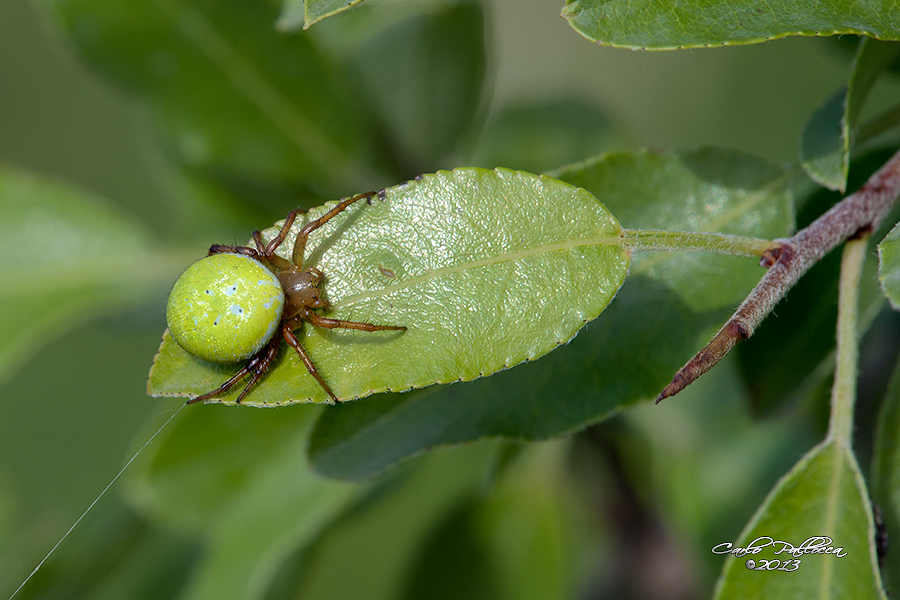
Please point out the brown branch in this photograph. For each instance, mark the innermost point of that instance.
(859, 212)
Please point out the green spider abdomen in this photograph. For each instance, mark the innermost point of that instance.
(225, 308)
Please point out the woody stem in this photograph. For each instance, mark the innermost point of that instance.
(857, 214)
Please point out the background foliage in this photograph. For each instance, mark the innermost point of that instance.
(136, 134)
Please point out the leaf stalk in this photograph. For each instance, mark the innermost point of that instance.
(673, 241)
(843, 391)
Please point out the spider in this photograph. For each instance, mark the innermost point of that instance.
(231, 307)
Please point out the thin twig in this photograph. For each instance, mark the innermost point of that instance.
(860, 212)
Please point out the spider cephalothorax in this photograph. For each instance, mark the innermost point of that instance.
(230, 307)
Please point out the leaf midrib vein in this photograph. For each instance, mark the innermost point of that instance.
(831, 510)
(254, 86)
(606, 240)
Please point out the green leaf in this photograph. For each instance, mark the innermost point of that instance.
(889, 266)
(626, 356)
(670, 25)
(829, 135)
(67, 256)
(825, 145)
(312, 11)
(292, 16)
(709, 190)
(824, 495)
(242, 481)
(482, 282)
(235, 99)
(886, 470)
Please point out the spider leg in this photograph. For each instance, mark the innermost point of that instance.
(257, 365)
(260, 364)
(320, 321)
(278, 239)
(300, 243)
(274, 259)
(257, 239)
(294, 343)
(222, 388)
(220, 249)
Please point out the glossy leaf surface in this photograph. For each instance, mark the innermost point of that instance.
(487, 269)
(668, 24)
(824, 495)
(627, 355)
(66, 256)
(830, 133)
(306, 12)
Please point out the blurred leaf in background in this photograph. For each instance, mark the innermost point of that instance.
(233, 101)
(67, 257)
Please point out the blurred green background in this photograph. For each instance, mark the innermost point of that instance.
(71, 416)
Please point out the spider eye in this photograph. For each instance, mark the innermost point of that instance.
(225, 308)
(315, 276)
